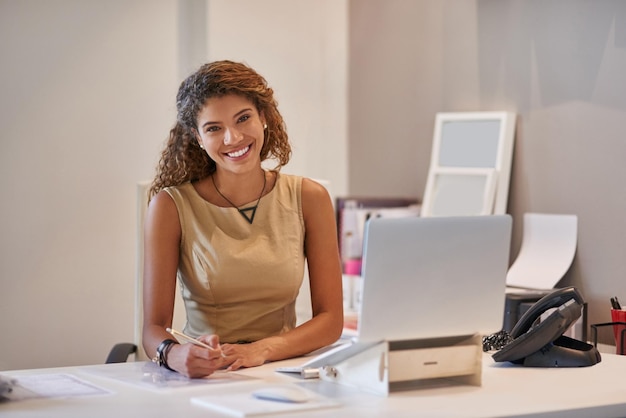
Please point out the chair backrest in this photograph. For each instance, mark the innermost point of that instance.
(470, 164)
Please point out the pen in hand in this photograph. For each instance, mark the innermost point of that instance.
(194, 341)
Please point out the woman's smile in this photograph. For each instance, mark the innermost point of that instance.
(239, 153)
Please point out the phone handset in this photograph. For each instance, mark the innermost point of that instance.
(542, 343)
(550, 301)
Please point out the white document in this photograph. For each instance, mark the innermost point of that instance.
(548, 249)
(148, 375)
(55, 386)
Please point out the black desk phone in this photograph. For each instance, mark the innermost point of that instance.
(540, 342)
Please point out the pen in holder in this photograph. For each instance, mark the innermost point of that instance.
(618, 316)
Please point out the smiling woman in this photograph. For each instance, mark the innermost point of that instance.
(236, 236)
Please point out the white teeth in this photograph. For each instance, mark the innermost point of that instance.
(238, 153)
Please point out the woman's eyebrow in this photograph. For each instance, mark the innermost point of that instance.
(248, 109)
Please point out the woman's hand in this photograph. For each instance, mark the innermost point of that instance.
(246, 355)
(195, 361)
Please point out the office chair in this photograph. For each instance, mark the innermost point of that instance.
(120, 353)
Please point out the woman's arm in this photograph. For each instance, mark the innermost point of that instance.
(162, 234)
(322, 251)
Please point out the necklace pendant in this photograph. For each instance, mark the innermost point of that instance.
(243, 212)
(245, 215)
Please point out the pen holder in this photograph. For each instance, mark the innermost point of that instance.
(618, 317)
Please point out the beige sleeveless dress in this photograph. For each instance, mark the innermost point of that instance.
(240, 280)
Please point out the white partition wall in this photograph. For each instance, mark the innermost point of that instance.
(88, 91)
(301, 48)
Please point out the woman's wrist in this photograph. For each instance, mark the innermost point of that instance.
(273, 348)
(162, 351)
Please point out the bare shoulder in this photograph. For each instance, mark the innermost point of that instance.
(316, 200)
(161, 202)
(313, 190)
(162, 211)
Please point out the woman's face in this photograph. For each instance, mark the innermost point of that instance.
(231, 131)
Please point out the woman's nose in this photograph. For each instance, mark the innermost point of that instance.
(232, 136)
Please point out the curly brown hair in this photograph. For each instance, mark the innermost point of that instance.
(183, 160)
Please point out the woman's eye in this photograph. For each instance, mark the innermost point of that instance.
(212, 129)
(244, 118)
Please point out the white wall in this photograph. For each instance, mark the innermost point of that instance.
(87, 100)
(87, 91)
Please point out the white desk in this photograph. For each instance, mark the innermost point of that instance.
(507, 391)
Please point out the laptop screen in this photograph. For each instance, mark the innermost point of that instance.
(430, 277)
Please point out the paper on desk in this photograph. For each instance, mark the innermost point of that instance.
(58, 385)
(548, 249)
(243, 404)
(150, 376)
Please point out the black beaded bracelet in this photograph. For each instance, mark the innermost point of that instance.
(161, 353)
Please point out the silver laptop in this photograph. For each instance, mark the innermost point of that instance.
(433, 277)
(428, 277)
